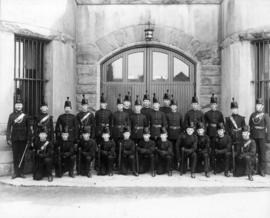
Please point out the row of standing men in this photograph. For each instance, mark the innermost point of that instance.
(155, 138)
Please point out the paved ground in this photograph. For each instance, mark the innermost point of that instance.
(144, 196)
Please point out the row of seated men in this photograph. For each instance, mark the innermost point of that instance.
(166, 130)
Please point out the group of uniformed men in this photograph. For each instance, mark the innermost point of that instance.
(155, 139)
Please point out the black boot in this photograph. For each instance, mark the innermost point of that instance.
(227, 174)
(71, 174)
(192, 175)
(50, 178)
(250, 178)
(207, 174)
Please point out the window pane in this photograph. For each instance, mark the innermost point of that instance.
(135, 67)
(181, 70)
(160, 66)
(115, 71)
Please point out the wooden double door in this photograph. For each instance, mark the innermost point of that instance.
(155, 69)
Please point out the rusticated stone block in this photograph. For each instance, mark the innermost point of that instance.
(87, 54)
(87, 89)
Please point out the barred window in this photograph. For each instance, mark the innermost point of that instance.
(28, 71)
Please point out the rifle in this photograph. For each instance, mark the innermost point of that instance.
(119, 156)
(137, 158)
(99, 166)
(233, 159)
(23, 155)
(59, 162)
(79, 160)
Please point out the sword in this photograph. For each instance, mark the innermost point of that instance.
(23, 155)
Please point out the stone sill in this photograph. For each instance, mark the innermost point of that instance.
(146, 2)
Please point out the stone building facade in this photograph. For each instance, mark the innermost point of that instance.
(216, 35)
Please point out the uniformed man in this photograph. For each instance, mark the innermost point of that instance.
(44, 156)
(203, 149)
(146, 109)
(127, 104)
(260, 130)
(18, 135)
(69, 121)
(85, 119)
(166, 103)
(65, 153)
(222, 150)
(175, 125)
(120, 119)
(138, 122)
(44, 121)
(164, 151)
(194, 115)
(86, 152)
(146, 151)
(157, 120)
(212, 119)
(234, 125)
(103, 119)
(128, 153)
(247, 153)
(106, 154)
(186, 147)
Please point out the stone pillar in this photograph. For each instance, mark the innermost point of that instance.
(237, 76)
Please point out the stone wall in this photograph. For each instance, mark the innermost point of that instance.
(52, 20)
(191, 29)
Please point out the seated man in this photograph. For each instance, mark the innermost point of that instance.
(164, 154)
(186, 146)
(86, 153)
(128, 153)
(203, 148)
(44, 157)
(106, 154)
(65, 155)
(247, 155)
(222, 151)
(146, 151)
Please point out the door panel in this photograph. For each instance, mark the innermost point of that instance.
(153, 69)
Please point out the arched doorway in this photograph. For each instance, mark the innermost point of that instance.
(153, 68)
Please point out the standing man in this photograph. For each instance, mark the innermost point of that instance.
(234, 126)
(103, 119)
(138, 122)
(85, 119)
(18, 135)
(259, 130)
(166, 103)
(175, 124)
(213, 118)
(157, 120)
(146, 109)
(127, 104)
(44, 121)
(194, 115)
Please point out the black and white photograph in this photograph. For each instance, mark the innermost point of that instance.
(134, 108)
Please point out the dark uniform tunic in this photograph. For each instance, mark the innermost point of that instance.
(175, 124)
(188, 145)
(157, 120)
(86, 119)
(107, 156)
(246, 158)
(87, 150)
(164, 156)
(193, 116)
(146, 111)
(43, 160)
(259, 130)
(19, 133)
(137, 122)
(165, 109)
(212, 119)
(128, 156)
(146, 151)
(120, 119)
(66, 158)
(69, 121)
(103, 119)
(128, 111)
(222, 152)
(203, 151)
(44, 121)
(234, 125)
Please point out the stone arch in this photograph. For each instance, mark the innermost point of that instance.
(90, 56)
